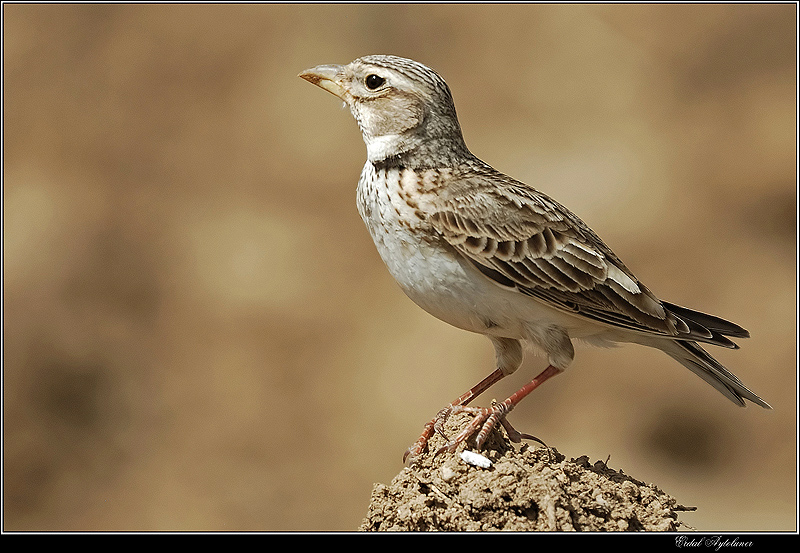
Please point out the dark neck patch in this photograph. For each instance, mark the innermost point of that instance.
(391, 162)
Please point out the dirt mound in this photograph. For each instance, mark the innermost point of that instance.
(524, 489)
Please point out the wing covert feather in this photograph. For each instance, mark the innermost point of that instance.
(526, 241)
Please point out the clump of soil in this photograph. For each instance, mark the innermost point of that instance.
(524, 489)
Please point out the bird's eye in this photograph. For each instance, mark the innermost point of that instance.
(374, 81)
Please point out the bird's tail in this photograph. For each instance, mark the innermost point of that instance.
(697, 360)
(702, 327)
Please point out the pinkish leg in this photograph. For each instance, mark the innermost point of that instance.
(486, 418)
(436, 424)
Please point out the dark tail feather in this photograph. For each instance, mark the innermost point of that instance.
(712, 323)
(697, 360)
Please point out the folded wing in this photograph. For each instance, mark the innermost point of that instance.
(544, 251)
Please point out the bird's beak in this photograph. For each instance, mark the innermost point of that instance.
(326, 77)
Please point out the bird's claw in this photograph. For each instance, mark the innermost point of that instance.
(485, 419)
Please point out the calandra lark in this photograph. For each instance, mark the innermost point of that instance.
(492, 255)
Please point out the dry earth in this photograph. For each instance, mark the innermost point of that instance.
(525, 489)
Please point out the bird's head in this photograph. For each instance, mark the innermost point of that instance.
(401, 106)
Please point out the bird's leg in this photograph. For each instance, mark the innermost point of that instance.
(486, 418)
(436, 424)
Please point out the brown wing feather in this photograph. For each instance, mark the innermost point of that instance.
(542, 250)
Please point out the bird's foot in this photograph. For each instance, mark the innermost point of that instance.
(485, 419)
(435, 425)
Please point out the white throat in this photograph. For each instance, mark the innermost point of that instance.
(381, 147)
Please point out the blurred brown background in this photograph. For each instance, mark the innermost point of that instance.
(199, 334)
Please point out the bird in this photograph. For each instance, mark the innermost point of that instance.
(492, 255)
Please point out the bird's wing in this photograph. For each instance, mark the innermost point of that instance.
(525, 241)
